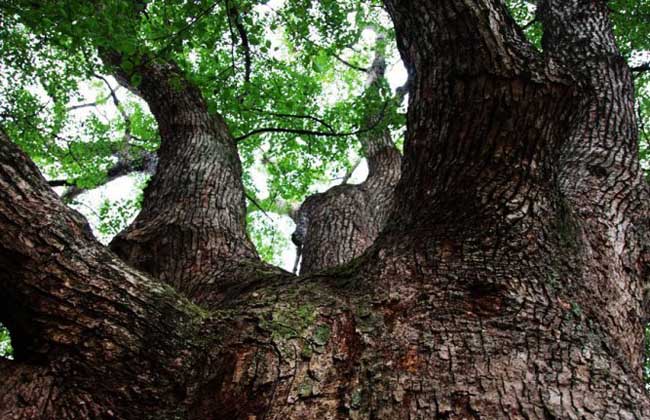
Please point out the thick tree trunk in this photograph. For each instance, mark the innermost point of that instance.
(335, 226)
(509, 282)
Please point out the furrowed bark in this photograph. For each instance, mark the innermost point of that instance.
(89, 333)
(483, 298)
(191, 231)
(496, 262)
(600, 175)
(335, 226)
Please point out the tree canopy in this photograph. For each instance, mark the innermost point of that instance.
(286, 76)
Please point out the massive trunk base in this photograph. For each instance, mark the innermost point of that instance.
(422, 328)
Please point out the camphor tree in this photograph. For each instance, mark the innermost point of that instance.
(509, 281)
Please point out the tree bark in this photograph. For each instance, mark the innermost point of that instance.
(508, 283)
(335, 226)
(191, 231)
(91, 335)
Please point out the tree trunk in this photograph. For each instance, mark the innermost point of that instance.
(335, 226)
(509, 282)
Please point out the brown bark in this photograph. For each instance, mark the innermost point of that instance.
(191, 231)
(89, 333)
(335, 226)
(509, 282)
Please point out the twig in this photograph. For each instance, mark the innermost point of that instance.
(283, 115)
(312, 132)
(234, 15)
(641, 68)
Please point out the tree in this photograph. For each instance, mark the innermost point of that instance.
(509, 281)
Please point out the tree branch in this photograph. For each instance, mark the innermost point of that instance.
(352, 66)
(471, 22)
(312, 132)
(642, 68)
(191, 229)
(66, 292)
(86, 105)
(299, 116)
(253, 200)
(234, 14)
(125, 165)
(350, 171)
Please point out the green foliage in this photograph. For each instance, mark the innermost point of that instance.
(523, 11)
(268, 240)
(5, 343)
(52, 49)
(115, 215)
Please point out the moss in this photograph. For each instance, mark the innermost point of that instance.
(369, 323)
(289, 322)
(307, 313)
(553, 280)
(306, 352)
(305, 389)
(356, 398)
(576, 310)
(321, 335)
(363, 310)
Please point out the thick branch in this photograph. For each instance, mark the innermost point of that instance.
(598, 164)
(191, 230)
(462, 36)
(334, 227)
(60, 289)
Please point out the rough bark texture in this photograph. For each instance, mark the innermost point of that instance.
(508, 284)
(90, 334)
(191, 231)
(335, 226)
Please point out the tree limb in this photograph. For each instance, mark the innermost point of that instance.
(300, 116)
(193, 213)
(642, 68)
(352, 66)
(46, 290)
(313, 132)
(234, 14)
(124, 166)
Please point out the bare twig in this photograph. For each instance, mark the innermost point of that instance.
(641, 68)
(234, 14)
(300, 116)
(314, 133)
(352, 66)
